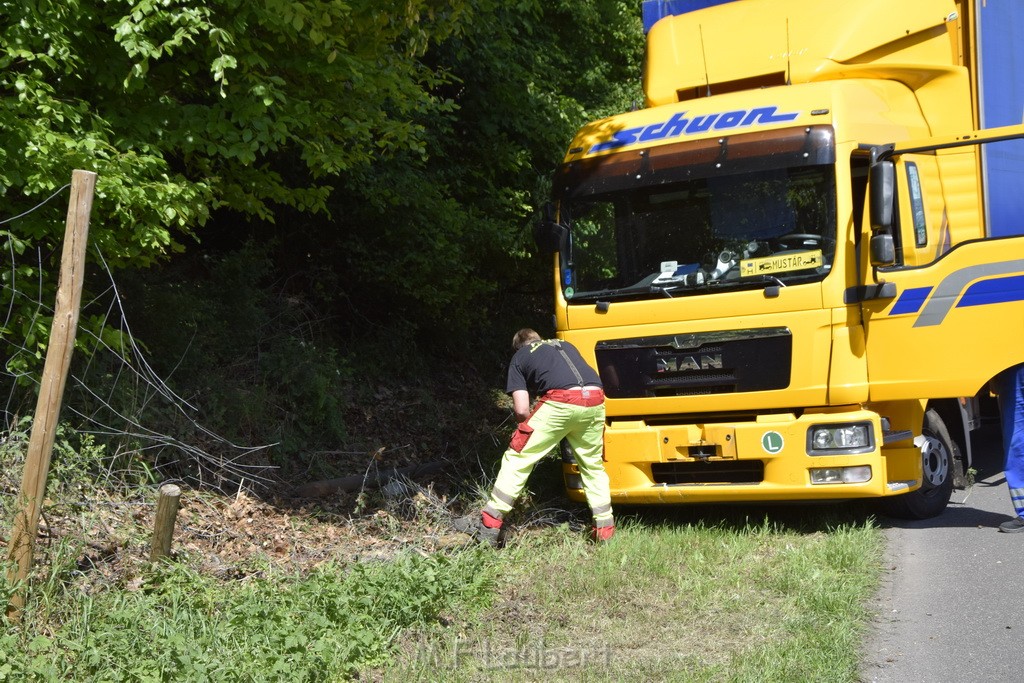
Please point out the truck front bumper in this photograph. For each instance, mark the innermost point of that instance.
(771, 458)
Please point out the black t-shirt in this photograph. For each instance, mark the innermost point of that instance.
(539, 367)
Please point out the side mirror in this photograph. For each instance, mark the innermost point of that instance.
(549, 236)
(883, 250)
(882, 188)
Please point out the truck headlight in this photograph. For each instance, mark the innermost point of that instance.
(840, 439)
(841, 475)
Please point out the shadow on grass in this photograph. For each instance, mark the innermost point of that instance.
(799, 517)
(804, 518)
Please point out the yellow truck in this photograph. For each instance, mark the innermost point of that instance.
(798, 266)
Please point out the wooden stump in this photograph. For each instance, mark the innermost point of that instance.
(163, 527)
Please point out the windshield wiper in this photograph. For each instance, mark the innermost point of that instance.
(620, 293)
(746, 282)
(764, 278)
(687, 284)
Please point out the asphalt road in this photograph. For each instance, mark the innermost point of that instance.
(951, 605)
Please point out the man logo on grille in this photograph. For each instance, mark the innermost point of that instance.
(708, 361)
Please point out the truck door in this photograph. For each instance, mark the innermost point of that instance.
(946, 317)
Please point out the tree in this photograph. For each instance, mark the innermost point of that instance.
(187, 107)
(382, 159)
(443, 235)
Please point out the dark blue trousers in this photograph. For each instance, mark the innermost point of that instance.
(1011, 411)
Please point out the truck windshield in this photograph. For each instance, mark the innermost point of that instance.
(761, 212)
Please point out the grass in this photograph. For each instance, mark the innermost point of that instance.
(180, 625)
(681, 594)
(675, 597)
(98, 611)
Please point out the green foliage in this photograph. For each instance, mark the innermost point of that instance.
(78, 461)
(183, 109)
(255, 358)
(81, 460)
(184, 626)
(384, 159)
(447, 234)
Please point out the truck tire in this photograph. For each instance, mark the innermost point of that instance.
(939, 454)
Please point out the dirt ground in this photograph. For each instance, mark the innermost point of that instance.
(240, 535)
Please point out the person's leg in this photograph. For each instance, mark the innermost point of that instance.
(1011, 397)
(1011, 408)
(587, 441)
(533, 439)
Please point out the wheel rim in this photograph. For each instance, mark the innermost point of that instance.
(934, 460)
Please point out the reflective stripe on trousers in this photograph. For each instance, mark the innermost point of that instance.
(583, 428)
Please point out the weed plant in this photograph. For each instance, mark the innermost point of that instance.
(181, 625)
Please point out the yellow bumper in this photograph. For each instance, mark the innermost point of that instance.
(769, 459)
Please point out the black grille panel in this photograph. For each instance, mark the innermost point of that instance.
(708, 472)
(696, 364)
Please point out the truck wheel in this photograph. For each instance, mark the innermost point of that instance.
(938, 453)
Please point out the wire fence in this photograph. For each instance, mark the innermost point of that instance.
(113, 393)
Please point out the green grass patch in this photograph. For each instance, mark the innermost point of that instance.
(677, 596)
(182, 626)
(670, 599)
(681, 594)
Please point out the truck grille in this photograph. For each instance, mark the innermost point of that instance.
(696, 364)
(708, 472)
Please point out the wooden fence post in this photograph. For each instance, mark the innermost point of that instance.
(51, 389)
(163, 527)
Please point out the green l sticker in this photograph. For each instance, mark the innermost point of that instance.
(772, 442)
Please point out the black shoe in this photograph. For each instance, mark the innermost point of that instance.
(1013, 526)
(474, 526)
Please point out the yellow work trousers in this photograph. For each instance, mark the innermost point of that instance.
(552, 421)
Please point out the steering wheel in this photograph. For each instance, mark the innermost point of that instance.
(797, 240)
